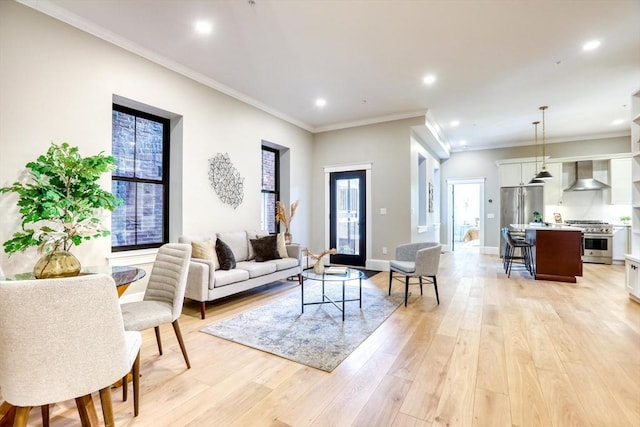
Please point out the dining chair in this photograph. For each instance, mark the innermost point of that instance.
(420, 260)
(164, 296)
(63, 339)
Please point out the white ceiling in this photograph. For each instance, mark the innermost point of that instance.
(496, 61)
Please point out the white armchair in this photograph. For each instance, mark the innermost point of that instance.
(416, 260)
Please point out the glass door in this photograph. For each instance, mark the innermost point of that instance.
(347, 228)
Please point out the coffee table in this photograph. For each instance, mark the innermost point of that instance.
(332, 280)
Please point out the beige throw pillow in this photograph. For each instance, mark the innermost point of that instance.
(205, 250)
(282, 246)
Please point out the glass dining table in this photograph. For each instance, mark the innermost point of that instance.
(123, 275)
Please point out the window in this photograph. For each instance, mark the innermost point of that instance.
(270, 188)
(140, 146)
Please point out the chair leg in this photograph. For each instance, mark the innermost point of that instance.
(87, 411)
(22, 415)
(157, 329)
(202, 306)
(136, 385)
(420, 279)
(390, 279)
(44, 410)
(406, 290)
(107, 407)
(435, 286)
(176, 328)
(125, 387)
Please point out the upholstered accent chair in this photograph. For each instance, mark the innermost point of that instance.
(419, 260)
(164, 296)
(63, 339)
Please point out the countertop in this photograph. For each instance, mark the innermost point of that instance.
(543, 227)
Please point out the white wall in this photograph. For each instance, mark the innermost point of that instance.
(57, 84)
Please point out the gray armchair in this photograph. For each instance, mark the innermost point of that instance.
(164, 296)
(416, 260)
(63, 339)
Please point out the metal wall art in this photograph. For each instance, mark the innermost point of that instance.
(226, 180)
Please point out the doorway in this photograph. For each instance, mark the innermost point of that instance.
(347, 218)
(466, 231)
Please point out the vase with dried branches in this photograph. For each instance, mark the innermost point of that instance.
(318, 266)
(285, 217)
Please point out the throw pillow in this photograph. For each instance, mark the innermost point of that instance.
(282, 246)
(265, 248)
(205, 250)
(225, 256)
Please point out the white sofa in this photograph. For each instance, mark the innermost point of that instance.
(206, 281)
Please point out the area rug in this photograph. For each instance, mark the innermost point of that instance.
(318, 337)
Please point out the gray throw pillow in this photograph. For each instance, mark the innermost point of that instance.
(265, 248)
(225, 255)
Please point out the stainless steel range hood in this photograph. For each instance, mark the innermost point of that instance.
(584, 178)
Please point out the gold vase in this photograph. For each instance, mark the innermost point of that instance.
(287, 237)
(56, 264)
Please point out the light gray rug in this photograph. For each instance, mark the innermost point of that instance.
(318, 337)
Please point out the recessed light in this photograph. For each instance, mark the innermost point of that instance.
(454, 123)
(203, 27)
(591, 45)
(429, 79)
(617, 122)
(463, 143)
(321, 102)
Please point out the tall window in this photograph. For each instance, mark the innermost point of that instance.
(270, 188)
(140, 146)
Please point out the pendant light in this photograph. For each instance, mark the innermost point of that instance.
(544, 174)
(535, 180)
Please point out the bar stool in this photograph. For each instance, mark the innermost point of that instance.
(510, 249)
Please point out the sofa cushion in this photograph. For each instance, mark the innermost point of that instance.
(284, 263)
(238, 242)
(205, 250)
(265, 248)
(282, 246)
(257, 269)
(229, 277)
(225, 255)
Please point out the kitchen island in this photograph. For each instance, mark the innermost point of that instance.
(557, 251)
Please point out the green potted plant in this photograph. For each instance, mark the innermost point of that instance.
(59, 206)
(625, 219)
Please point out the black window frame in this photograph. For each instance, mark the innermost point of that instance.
(166, 144)
(276, 192)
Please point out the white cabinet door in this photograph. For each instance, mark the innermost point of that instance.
(620, 242)
(553, 187)
(510, 175)
(529, 171)
(620, 181)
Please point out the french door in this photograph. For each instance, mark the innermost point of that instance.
(347, 228)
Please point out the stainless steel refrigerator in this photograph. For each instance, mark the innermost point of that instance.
(517, 205)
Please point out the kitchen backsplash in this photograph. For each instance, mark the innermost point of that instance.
(584, 205)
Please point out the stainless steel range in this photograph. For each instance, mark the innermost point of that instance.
(597, 240)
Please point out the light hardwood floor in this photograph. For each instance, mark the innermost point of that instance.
(497, 351)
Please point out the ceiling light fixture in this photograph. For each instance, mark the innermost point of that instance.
(591, 45)
(535, 180)
(429, 80)
(617, 122)
(321, 102)
(454, 123)
(203, 27)
(544, 174)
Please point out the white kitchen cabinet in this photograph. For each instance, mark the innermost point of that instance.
(553, 190)
(635, 173)
(620, 181)
(632, 277)
(514, 174)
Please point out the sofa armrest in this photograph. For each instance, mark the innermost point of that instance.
(200, 279)
(295, 251)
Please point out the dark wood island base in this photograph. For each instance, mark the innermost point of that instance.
(557, 253)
